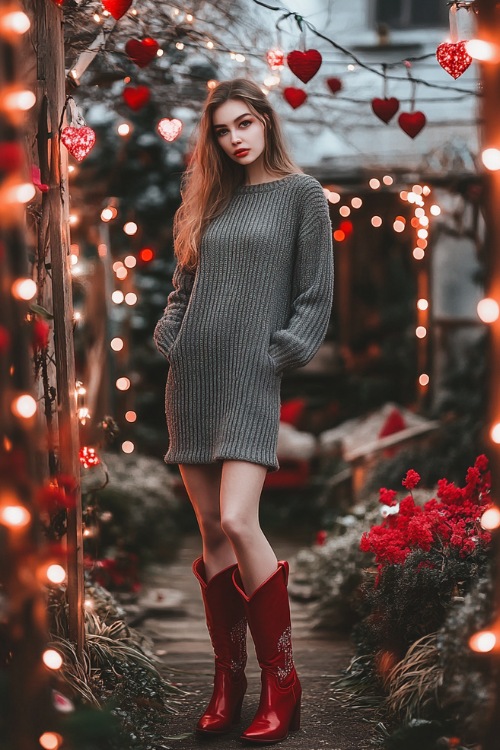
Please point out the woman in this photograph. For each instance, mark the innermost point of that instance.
(252, 298)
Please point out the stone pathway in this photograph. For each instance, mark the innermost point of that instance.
(182, 645)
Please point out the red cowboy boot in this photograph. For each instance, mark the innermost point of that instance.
(227, 625)
(268, 614)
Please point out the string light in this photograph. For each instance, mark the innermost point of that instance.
(179, 45)
(130, 261)
(483, 642)
(130, 228)
(421, 332)
(146, 254)
(106, 214)
(344, 211)
(387, 179)
(22, 100)
(23, 406)
(488, 310)
(117, 344)
(21, 193)
(83, 414)
(356, 202)
(423, 234)
(435, 210)
(88, 456)
(15, 516)
(481, 50)
(117, 297)
(128, 446)
(495, 433)
(159, 52)
(491, 159)
(426, 190)
(124, 129)
(55, 573)
(130, 416)
(52, 659)
(422, 304)
(24, 289)
(14, 22)
(376, 221)
(121, 273)
(339, 235)
(123, 384)
(404, 195)
(334, 197)
(490, 520)
(50, 740)
(424, 379)
(399, 226)
(374, 183)
(130, 298)
(116, 265)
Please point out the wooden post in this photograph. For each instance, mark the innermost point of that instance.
(46, 38)
(489, 30)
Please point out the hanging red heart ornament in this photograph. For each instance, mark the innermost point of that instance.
(136, 97)
(142, 52)
(169, 129)
(117, 8)
(454, 58)
(412, 122)
(304, 65)
(78, 141)
(294, 97)
(275, 58)
(334, 84)
(385, 109)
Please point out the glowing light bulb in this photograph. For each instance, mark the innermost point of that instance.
(399, 226)
(159, 53)
(491, 159)
(116, 265)
(124, 129)
(130, 416)
(426, 190)
(15, 516)
(490, 519)
(22, 193)
(417, 189)
(488, 310)
(424, 221)
(73, 219)
(117, 297)
(334, 197)
(211, 84)
(374, 183)
(56, 573)
(423, 234)
(356, 202)
(404, 195)
(21, 100)
(50, 740)
(106, 214)
(483, 641)
(421, 332)
(210, 45)
(419, 212)
(344, 211)
(123, 384)
(179, 45)
(128, 446)
(189, 17)
(339, 235)
(239, 58)
(423, 379)
(130, 298)
(130, 261)
(376, 221)
(117, 344)
(422, 304)
(14, 22)
(24, 289)
(495, 433)
(130, 228)
(121, 273)
(52, 659)
(435, 210)
(73, 259)
(481, 50)
(421, 243)
(24, 406)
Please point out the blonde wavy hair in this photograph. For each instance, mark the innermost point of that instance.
(211, 178)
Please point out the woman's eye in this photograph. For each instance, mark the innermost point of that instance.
(246, 122)
(220, 132)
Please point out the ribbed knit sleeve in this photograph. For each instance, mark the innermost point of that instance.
(312, 290)
(168, 326)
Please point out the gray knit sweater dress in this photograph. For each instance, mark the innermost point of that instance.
(258, 304)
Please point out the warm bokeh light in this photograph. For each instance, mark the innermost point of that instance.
(146, 254)
(128, 446)
(424, 221)
(52, 659)
(374, 183)
(56, 573)
(422, 304)
(130, 261)
(483, 641)
(415, 222)
(423, 234)
(334, 197)
(23, 406)
(73, 219)
(404, 195)
(21, 193)
(116, 265)
(490, 519)
(130, 416)
(102, 249)
(14, 516)
(106, 214)
(14, 22)
(481, 50)
(426, 190)
(419, 212)
(124, 129)
(376, 221)
(123, 384)
(356, 202)
(399, 226)
(73, 259)
(488, 310)
(417, 189)
(423, 379)
(131, 298)
(422, 243)
(117, 344)
(50, 740)
(130, 228)
(24, 289)
(344, 211)
(495, 433)
(339, 235)
(22, 100)
(491, 158)
(421, 332)
(121, 273)
(435, 210)
(387, 179)
(117, 297)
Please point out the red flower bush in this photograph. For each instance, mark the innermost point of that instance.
(447, 524)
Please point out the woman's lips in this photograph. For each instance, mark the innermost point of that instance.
(241, 152)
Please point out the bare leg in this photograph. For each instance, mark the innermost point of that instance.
(240, 490)
(202, 483)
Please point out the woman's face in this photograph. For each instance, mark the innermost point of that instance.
(240, 134)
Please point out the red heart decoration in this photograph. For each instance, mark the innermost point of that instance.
(294, 97)
(412, 122)
(334, 84)
(454, 58)
(136, 97)
(304, 65)
(78, 141)
(117, 8)
(275, 58)
(385, 109)
(169, 129)
(142, 52)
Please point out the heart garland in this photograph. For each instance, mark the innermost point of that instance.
(142, 52)
(295, 97)
(169, 129)
(334, 84)
(275, 58)
(454, 58)
(78, 141)
(412, 122)
(117, 8)
(136, 97)
(304, 65)
(386, 108)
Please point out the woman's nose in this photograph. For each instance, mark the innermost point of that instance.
(235, 138)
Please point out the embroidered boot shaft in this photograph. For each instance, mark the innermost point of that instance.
(227, 626)
(268, 614)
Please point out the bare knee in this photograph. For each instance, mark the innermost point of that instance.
(237, 526)
(211, 528)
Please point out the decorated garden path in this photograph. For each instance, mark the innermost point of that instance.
(181, 643)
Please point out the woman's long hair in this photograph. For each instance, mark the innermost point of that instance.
(212, 176)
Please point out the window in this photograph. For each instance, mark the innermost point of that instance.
(403, 14)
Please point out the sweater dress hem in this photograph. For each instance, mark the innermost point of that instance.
(272, 467)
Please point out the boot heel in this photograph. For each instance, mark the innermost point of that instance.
(295, 720)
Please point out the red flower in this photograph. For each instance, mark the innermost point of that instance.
(481, 463)
(411, 479)
(387, 497)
